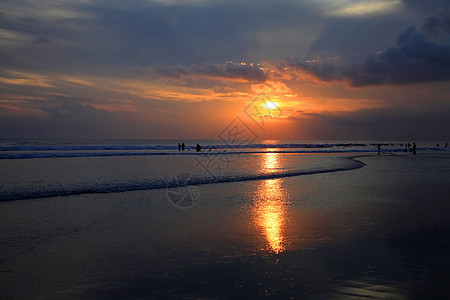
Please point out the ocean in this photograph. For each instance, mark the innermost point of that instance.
(141, 219)
(48, 168)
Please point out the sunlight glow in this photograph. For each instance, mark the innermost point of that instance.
(270, 211)
(271, 105)
(272, 214)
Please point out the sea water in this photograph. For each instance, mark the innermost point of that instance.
(48, 168)
(141, 219)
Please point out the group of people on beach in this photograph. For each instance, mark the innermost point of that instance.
(408, 146)
(182, 146)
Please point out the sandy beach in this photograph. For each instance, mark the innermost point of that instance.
(380, 231)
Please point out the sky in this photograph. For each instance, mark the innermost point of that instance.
(172, 69)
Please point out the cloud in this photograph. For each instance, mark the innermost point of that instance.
(153, 61)
(230, 71)
(26, 79)
(81, 34)
(271, 87)
(398, 123)
(424, 7)
(419, 55)
(69, 109)
(63, 117)
(438, 25)
(361, 8)
(41, 40)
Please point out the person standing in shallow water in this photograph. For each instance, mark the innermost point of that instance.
(182, 146)
(414, 148)
(179, 147)
(198, 148)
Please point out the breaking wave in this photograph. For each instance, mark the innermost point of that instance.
(45, 191)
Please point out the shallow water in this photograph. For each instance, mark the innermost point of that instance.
(380, 231)
(47, 177)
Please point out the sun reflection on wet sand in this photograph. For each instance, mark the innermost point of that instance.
(270, 208)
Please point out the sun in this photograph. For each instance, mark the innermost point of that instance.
(271, 105)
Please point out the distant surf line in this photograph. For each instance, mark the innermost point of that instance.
(22, 155)
(93, 147)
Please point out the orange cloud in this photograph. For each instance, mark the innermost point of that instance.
(26, 78)
(270, 87)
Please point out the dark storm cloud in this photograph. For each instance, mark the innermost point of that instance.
(251, 73)
(419, 55)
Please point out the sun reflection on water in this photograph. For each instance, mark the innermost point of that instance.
(270, 208)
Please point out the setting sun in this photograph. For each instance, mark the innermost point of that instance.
(271, 105)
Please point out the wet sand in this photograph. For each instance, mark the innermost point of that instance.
(380, 231)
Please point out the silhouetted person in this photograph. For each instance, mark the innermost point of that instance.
(198, 148)
(414, 148)
(179, 147)
(437, 145)
(379, 148)
(182, 146)
(446, 145)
